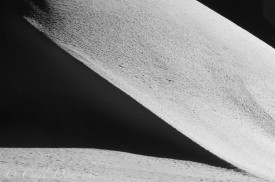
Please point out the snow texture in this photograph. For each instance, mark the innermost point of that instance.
(199, 72)
(81, 165)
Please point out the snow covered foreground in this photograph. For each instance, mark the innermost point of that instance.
(199, 72)
(73, 165)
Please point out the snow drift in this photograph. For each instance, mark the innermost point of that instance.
(199, 72)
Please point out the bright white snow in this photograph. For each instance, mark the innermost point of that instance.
(81, 165)
(207, 77)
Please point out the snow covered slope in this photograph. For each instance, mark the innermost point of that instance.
(73, 165)
(207, 77)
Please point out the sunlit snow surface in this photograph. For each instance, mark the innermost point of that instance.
(73, 165)
(199, 72)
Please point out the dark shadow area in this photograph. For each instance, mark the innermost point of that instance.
(22, 7)
(257, 17)
(50, 99)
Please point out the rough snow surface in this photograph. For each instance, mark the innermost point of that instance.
(73, 165)
(199, 72)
